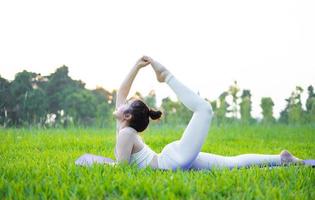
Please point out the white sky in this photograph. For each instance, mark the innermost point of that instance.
(267, 46)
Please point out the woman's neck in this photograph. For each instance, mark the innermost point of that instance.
(123, 125)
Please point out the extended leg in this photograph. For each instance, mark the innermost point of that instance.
(209, 161)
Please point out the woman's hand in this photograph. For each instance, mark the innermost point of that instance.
(124, 88)
(142, 62)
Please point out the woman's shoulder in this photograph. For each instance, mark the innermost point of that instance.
(128, 132)
(128, 129)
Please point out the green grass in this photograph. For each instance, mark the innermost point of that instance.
(38, 163)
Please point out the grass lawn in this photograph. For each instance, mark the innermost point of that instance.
(39, 163)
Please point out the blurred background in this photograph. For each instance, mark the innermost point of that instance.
(61, 62)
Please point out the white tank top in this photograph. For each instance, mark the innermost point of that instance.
(143, 157)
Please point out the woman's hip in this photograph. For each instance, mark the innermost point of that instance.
(171, 158)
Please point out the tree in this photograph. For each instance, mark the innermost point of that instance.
(213, 104)
(35, 107)
(284, 113)
(183, 114)
(82, 107)
(20, 89)
(4, 100)
(267, 110)
(311, 113)
(222, 109)
(175, 112)
(234, 92)
(293, 112)
(150, 99)
(168, 108)
(112, 98)
(246, 107)
(58, 88)
(104, 107)
(310, 105)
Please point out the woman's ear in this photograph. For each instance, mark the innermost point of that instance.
(127, 116)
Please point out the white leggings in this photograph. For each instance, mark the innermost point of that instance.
(185, 152)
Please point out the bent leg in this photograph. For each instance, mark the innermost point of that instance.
(209, 161)
(185, 150)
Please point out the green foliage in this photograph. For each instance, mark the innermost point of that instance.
(54, 100)
(104, 107)
(311, 112)
(222, 109)
(234, 92)
(81, 106)
(174, 112)
(27, 103)
(5, 98)
(35, 107)
(150, 99)
(246, 107)
(310, 105)
(267, 110)
(293, 112)
(39, 164)
(59, 101)
(59, 87)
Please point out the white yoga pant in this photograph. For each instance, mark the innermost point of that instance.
(181, 153)
(210, 161)
(185, 152)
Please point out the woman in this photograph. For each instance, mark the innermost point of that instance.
(133, 117)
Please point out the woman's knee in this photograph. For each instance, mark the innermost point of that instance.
(206, 109)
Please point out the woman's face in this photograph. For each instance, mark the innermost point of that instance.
(119, 112)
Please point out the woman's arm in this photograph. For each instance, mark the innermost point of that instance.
(124, 88)
(125, 141)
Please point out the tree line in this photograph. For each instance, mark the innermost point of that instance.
(57, 100)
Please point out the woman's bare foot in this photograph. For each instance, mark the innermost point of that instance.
(288, 158)
(160, 71)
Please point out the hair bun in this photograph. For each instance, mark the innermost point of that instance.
(155, 114)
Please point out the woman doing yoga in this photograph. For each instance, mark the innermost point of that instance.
(133, 117)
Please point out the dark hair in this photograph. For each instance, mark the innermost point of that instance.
(140, 115)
